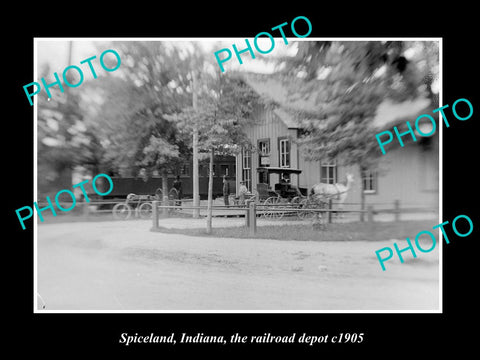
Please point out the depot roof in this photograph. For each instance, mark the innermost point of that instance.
(275, 88)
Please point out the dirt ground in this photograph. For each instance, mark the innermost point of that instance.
(115, 265)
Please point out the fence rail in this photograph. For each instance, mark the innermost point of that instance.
(250, 211)
(253, 210)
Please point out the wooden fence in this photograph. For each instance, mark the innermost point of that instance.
(252, 211)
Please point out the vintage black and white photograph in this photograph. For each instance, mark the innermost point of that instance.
(235, 175)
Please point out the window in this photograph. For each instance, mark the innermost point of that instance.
(369, 181)
(263, 177)
(284, 152)
(247, 168)
(264, 152)
(328, 172)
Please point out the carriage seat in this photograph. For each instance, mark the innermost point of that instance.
(286, 190)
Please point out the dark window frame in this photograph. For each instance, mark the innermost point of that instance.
(289, 151)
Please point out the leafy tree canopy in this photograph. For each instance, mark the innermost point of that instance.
(346, 82)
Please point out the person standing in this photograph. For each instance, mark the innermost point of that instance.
(177, 185)
(242, 190)
(226, 190)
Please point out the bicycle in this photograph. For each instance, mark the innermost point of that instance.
(140, 204)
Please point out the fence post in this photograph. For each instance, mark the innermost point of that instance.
(370, 213)
(330, 210)
(396, 206)
(85, 209)
(155, 214)
(247, 214)
(253, 217)
(165, 203)
(370, 222)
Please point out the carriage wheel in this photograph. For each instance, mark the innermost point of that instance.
(280, 213)
(296, 202)
(159, 194)
(173, 194)
(121, 211)
(272, 211)
(267, 210)
(303, 211)
(145, 210)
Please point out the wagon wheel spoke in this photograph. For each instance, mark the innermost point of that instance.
(296, 202)
(269, 209)
(145, 210)
(305, 211)
(273, 211)
(266, 209)
(279, 213)
(121, 211)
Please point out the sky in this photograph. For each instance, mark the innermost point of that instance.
(55, 52)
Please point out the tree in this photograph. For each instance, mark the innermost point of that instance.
(224, 107)
(114, 124)
(152, 82)
(59, 128)
(233, 102)
(347, 82)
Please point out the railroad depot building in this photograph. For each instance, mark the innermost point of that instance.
(408, 174)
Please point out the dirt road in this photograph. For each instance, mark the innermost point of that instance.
(123, 266)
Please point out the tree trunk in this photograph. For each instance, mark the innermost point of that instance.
(210, 193)
(164, 183)
(195, 179)
(362, 195)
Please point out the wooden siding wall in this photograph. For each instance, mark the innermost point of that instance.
(269, 126)
(407, 173)
(310, 172)
(410, 175)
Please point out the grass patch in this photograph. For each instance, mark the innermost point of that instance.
(332, 232)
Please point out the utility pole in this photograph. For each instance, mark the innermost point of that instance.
(68, 118)
(210, 191)
(69, 62)
(196, 195)
(67, 92)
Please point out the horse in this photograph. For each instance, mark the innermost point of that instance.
(323, 190)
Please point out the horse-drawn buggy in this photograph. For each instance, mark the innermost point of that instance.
(274, 202)
(277, 201)
(285, 198)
